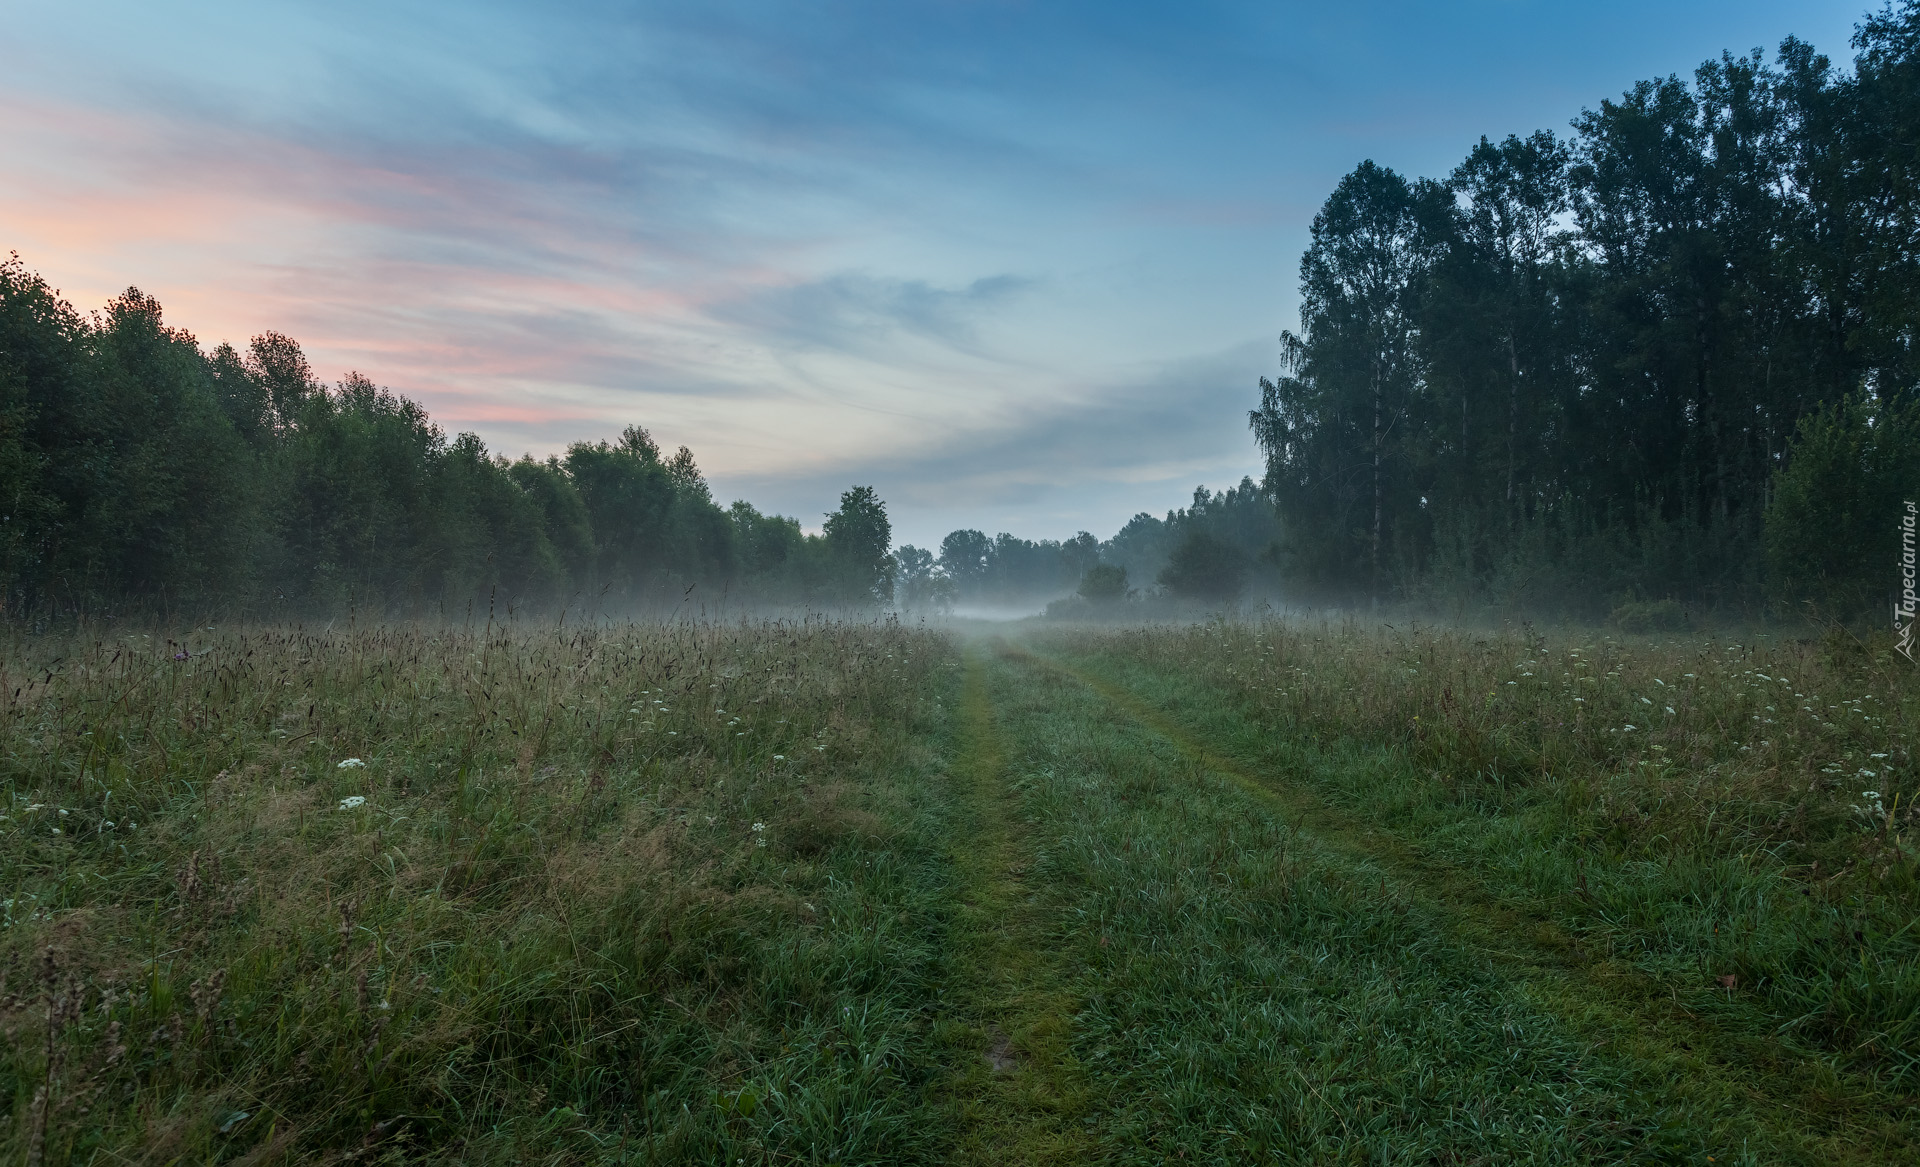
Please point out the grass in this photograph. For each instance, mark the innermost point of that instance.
(825, 892)
(648, 893)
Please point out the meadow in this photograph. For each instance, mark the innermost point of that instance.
(837, 892)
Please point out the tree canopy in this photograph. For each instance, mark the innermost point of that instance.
(1575, 370)
(139, 471)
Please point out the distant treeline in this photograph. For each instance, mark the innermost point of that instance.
(1673, 357)
(1225, 546)
(139, 472)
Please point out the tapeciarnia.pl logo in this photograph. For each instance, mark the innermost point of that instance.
(1903, 608)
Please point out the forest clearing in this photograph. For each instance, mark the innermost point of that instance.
(861, 892)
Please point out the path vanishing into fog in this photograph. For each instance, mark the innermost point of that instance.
(1171, 947)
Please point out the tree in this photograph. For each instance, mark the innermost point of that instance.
(1330, 429)
(1204, 567)
(963, 556)
(858, 537)
(1104, 585)
(1830, 531)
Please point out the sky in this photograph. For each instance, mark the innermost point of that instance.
(1019, 266)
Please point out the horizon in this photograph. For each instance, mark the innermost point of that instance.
(1020, 270)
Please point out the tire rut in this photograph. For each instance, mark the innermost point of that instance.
(1617, 1006)
(1017, 1090)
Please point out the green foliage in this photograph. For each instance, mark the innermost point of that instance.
(920, 584)
(1831, 527)
(858, 537)
(1206, 568)
(139, 473)
(1570, 372)
(1104, 584)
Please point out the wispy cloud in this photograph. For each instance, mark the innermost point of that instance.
(856, 311)
(1019, 265)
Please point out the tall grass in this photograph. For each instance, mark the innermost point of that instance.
(649, 892)
(1733, 818)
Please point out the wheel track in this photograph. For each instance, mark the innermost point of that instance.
(1610, 1002)
(1018, 1093)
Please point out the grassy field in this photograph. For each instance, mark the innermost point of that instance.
(823, 893)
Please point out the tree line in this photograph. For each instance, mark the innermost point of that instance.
(1670, 357)
(141, 472)
(1222, 547)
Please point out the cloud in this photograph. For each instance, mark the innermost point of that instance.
(1088, 456)
(857, 311)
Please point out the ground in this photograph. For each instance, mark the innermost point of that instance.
(838, 892)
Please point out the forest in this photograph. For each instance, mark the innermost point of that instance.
(1668, 359)
(1663, 365)
(139, 472)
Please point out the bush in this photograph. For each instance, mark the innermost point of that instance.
(1104, 583)
(1831, 534)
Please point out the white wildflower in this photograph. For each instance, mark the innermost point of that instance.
(779, 757)
(1669, 709)
(350, 764)
(351, 801)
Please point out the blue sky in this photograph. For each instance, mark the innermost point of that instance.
(1018, 265)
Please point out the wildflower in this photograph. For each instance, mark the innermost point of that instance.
(350, 764)
(1866, 773)
(759, 827)
(673, 733)
(1669, 709)
(351, 801)
(1582, 700)
(1629, 729)
(779, 757)
(1644, 701)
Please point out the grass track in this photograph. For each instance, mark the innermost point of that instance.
(1017, 1089)
(1733, 1090)
(819, 894)
(1254, 995)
